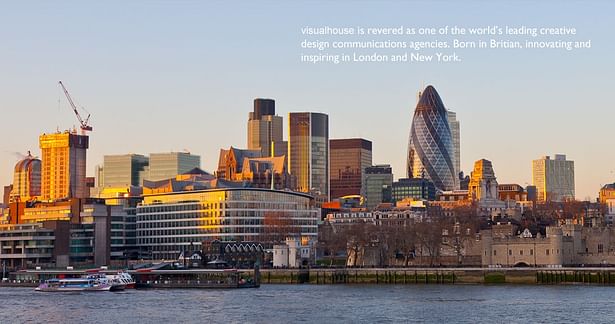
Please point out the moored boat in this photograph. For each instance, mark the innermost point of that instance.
(121, 279)
(74, 284)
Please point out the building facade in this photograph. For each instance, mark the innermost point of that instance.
(308, 151)
(378, 185)
(264, 127)
(453, 124)
(124, 170)
(248, 166)
(169, 224)
(26, 179)
(431, 151)
(553, 178)
(168, 165)
(63, 170)
(415, 188)
(348, 160)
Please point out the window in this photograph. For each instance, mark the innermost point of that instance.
(531, 251)
(495, 252)
(509, 252)
(600, 248)
(520, 252)
(547, 251)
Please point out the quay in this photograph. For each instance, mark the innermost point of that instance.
(540, 276)
(240, 278)
(149, 278)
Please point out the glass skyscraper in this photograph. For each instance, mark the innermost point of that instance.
(308, 151)
(168, 165)
(431, 152)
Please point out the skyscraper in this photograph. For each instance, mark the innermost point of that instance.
(264, 127)
(349, 158)
(431, 148)
(453, 124)
(63, 165)
(378, 183)
(168, 165)
(308, 151)
(553, 178)
(123, 170)
(27, 179)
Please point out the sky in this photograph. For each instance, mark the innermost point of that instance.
(161, 76)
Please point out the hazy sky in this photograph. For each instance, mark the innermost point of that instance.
(160, 76)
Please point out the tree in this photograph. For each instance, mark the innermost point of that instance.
(277, 226)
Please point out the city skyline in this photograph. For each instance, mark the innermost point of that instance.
(152, 72)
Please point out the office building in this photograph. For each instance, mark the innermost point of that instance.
(453, 124)
(348, 160)
(553, 178)
(378, 185)
(414, 188)
(431, 151)
(173, 223)
(26, 179)
(123, 170)
(168, 165)
(63, 165)
(308, 151)
(264, 127)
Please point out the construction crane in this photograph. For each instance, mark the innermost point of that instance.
(84, 123)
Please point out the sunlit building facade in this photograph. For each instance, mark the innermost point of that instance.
(349, 158)
(308, 151)
(264, 127)
(26, 179)
(124, 170)
(168, 165)
(431, 153)
(553, 178)
(169, 224)
(63, 170)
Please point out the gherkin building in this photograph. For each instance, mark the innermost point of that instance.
(430, 148)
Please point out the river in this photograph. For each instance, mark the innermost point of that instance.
(318, 304)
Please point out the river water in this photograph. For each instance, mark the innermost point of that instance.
(318, 304)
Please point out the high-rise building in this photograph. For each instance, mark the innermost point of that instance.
(378, 182)
(264, 127)
(431, 152)
(26, 179)
(123, 170)
(308, 151)
(553, 178)
(453, 124)
(63, 165)
(168, 165)
(348, 160)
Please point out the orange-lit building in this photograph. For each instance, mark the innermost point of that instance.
(63, 165)
(249, 166)
(26, 179)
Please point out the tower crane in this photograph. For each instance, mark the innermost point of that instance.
(84, 123)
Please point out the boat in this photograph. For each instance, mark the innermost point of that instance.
(122, 279)
(74, 284)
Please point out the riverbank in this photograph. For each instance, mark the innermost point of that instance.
(601, 276)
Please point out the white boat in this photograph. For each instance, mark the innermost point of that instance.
(74, 284)
(122, 279)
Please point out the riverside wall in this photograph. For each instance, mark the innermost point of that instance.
(599, 276)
